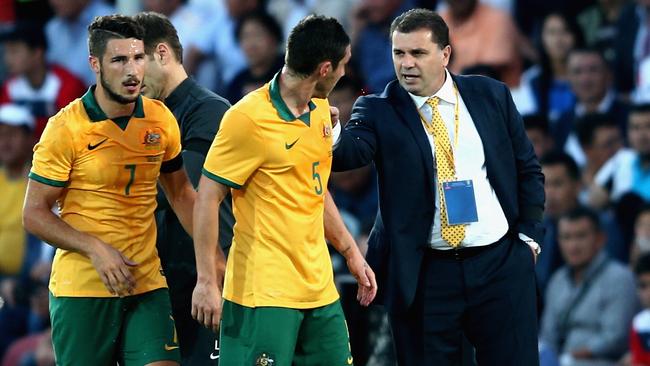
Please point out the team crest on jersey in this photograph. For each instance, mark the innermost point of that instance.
(264, 360)
(150, 138)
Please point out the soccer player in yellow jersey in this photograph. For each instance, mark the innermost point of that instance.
(100, 159)
(274, 150)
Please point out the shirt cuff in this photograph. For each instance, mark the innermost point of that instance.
(336, 135)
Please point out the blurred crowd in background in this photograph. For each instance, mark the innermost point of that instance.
(579, 72)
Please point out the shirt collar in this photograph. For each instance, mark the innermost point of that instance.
(178, 95)
(603, 106)
(445, 93)
(95, 112)
(281, 106)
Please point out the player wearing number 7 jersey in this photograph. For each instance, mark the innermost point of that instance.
(100, 159)
(274, 150)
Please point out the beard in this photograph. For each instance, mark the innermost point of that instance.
(113, 95)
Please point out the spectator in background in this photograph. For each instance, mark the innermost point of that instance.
(640, 330)
(561, 187)
(218, 41)
(629, 170)
(42, 88)
(185, 18)
(591, 300)
(538, 133)
(289, 12)
(66, 33)
(16, 142)
(482, 35)
(591, 81)
(598, 22)
(600, 138)
(370, 40)
(548, 80)
(259, 35)
(345, 93)
(641, 241)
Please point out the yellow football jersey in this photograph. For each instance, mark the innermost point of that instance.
(109, 170)
(279, 166)
(13, 239)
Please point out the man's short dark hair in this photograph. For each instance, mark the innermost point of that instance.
(107, 27)
(267, 22)
(158, 29)
(591, 51)
(587, 125)
(582, 212)
(564, 159)
(536, 122)
(416, 19)
(28, 32)
(314, 40)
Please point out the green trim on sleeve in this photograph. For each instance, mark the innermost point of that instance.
(218, 179)
(49, 182)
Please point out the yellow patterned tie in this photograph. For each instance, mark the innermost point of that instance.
(452, 234)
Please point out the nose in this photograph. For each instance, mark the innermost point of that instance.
(408, 61)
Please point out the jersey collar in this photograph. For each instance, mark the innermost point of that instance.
(281, 106)
(96, 114)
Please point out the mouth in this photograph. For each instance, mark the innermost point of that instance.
(410, 77)
(132, 85)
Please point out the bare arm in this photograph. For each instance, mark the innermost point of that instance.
(210, 260)
(341, 239)
(38, 219)
(181, 196)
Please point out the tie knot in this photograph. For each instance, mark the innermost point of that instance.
(433, 102)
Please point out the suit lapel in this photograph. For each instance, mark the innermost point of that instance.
(405, 108)
(478, 111)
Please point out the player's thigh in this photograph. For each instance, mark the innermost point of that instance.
(85, 330)
(323, 339)
(149, 334)
(262, 336)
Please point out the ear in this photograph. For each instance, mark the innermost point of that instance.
(324, 68)
(446, 54)
(94, 63)
(163, 51)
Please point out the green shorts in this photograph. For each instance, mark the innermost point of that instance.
(134, 330)
(274, 336)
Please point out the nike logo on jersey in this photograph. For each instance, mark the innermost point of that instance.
(289, 146)
(93, 147)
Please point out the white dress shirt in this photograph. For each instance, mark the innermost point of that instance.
(469, 164)
(492, 223)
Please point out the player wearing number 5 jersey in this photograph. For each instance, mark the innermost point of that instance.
(274, 150)
(100, 159)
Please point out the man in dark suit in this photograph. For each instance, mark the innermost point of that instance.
(458, 260)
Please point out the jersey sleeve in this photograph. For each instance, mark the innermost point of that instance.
(53, 156)
(236, 152)
(173, 147)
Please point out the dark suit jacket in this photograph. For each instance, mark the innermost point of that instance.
(386, 129)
